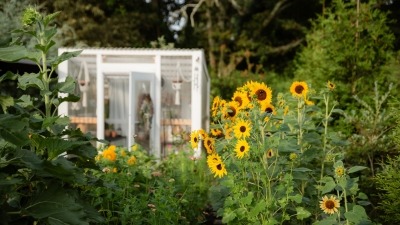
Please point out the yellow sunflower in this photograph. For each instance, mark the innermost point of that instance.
(262, 93)
(215, 105)
(241, 98)
(194, 139)
(242, 129)
(232, 110)
(331, 86)
(203, 134)
(299, 89)
(216, 165)
(329, 205)
(228, 131)
(209, 144)
(242, 148)
(339, 171)
(215, 132)
(110, 154)
(268, 108)
(270, 153)
(213, 159)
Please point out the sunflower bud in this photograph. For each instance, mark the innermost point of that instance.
(30, 16)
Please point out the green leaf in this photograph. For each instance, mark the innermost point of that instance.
(248, 199)
(62, 169)
(57, 206)
(356, 215)
(302, 213)
(8, 76)
(69, 98)
(28, 80)
(328, 187)
(339, 111)
(25, 101)
(301, 169)
(13, 53)
(228, 216)
(48, 18)
(356, 168)
(56, 146)
(5, 102)
(296, 198)
(64, 56)
(330, 220)
(260, 206)
(68, 86)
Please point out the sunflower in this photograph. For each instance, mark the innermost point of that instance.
(299, 89)
(268, 108)
(339, 171)
(213, 159)
(194, 139)
(209, 144)
(242, 129)
(203, 134)
(110, 154)
(331, 86)
(232, 109)
(262, 93)
(293, 156)
(270, 153)
(215, 105)
(241, 98)
(215, 132)
(219, 170)
(329, 205)
(131, 160)
(242, 148)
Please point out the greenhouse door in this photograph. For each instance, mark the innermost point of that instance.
(142, 110)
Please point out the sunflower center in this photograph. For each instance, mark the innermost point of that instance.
(242, 129)
(232, 112)
(268, 110)
(195, 140)
(261, 95)
(329, 204)
(239, 100)
(209, 143)
(299, 89)
(242, 148)
(219, 167)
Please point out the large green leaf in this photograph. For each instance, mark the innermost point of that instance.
(29, 80)
(13, 53)
(58, 206)
(357, 215)
(64, 56)
(64, 170)
(16, 52)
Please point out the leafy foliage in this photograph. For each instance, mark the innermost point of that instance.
(137, 190)
(353, 59)
(42, 163)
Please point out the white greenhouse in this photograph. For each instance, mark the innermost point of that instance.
(153, 97)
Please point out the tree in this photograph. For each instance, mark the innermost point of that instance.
(113, 23)
(246, 35)
(351, 44)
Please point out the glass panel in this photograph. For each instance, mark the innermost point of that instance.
(116, 108)
(83, 112)
(143, 113)
(175, 115)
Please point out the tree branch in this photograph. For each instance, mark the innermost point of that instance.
(279, 6)
(284, 48)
